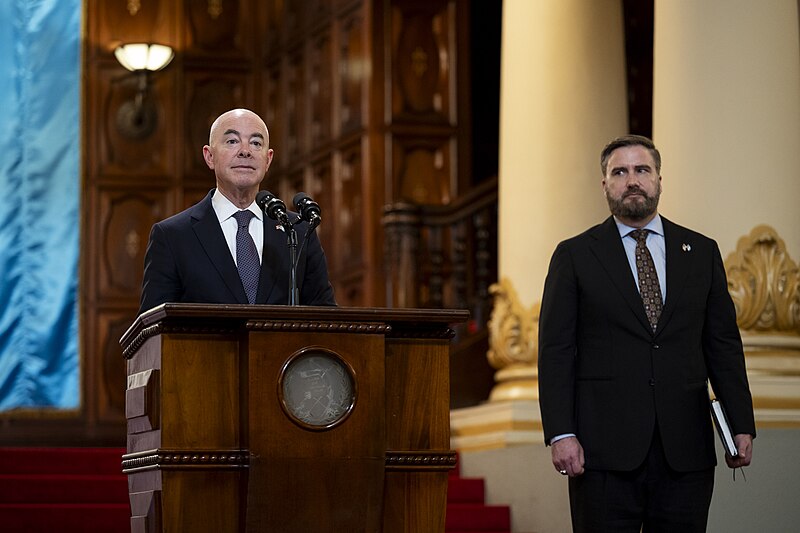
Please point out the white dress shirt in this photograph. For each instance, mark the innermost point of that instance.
(225, 209)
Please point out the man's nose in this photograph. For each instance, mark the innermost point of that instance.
(244, 151)
(632, 179)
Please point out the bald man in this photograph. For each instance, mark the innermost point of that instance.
(192, 256)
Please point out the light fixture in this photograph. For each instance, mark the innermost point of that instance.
(137, 118)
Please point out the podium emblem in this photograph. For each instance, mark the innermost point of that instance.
(316, 388)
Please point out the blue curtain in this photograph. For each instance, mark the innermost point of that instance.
(39, 202)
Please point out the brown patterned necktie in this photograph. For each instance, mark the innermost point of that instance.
(649, 288)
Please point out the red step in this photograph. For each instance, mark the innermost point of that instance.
(65, 518)
(83, 489)
(86, 461)
(63, 488)
(465, 490)
(69, 490)
(477, 517)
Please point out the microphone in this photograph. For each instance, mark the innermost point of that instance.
(272, 206)
(308, 208)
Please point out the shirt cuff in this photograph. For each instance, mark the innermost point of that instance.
(562, 436)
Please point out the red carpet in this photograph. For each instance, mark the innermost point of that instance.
(466, 510)
(70, 490)
(63, 489)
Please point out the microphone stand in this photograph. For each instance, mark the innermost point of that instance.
(291, 241)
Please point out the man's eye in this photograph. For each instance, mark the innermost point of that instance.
(231, 141)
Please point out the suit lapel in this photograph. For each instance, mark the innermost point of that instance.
(608, 248)
(679, 262)
(209, 233)
(272, 263)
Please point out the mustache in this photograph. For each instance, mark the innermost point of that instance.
(634, 190)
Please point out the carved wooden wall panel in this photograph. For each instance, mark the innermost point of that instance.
(320, 186)
(218, 28)
(275, 115)
(319, 90)
(295, 92)
(126, 217)
(423, 83)
(121, 155)
(421, 37)
(352, 72)
(111, 372)
(350, 215)
(131, 21)
(423, 171)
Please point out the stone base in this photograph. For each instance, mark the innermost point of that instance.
(496, 425)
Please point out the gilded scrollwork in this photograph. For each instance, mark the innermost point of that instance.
(513, 329)
(764, 283)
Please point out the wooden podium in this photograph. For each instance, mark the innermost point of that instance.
(288, 419)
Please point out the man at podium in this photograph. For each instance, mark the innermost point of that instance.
(224, 249)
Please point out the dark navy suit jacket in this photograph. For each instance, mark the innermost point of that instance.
(188, 260)
(607, 377)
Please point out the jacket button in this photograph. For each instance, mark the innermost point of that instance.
(652, 382)
(656, 346)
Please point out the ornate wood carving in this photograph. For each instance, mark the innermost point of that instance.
(351, 214)
(422, 169)
(275, 116)
(438, 255)
(217, 28)
(513, 329)
(320, 98)
(130, 21)
(119, 154)
(294, 103)
(422, 33)
(168, 459)
(110, 382)
(268, 325)
(320, 186)
(351, 71)
(127, 217)
(410, 460)
(513, 345)
(764, 283)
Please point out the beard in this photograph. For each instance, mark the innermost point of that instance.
(638, 209)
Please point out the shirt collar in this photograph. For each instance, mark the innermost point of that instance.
(656, 226)
(225, 209)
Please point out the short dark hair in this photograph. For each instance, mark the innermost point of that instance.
(629, 140)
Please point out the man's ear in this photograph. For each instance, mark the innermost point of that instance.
(208, 156)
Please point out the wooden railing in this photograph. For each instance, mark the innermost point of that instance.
(444, 256)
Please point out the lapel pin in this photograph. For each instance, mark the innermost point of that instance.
(686, 247)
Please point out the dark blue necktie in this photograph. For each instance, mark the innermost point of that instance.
(247, 255)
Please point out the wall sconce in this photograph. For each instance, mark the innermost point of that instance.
(137, 118)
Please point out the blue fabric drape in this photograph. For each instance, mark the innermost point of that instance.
(39, 202)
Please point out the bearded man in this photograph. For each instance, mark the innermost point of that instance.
(636, 321)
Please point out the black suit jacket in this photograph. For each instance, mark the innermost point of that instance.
(188, 260)
(607, 377)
